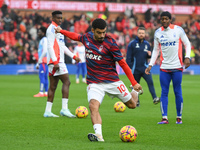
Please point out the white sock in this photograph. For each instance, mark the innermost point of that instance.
(48, 107)
(134, 91)
(45, 92)
(164, 117)
(97, 129)
(41, 92)
(179, 117)
(64, 103)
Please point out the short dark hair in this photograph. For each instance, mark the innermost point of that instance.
(99, 23)
(166, 13)
(43, 29)
(56, 12)
(141, 28)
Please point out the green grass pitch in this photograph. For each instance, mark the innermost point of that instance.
(23, 127)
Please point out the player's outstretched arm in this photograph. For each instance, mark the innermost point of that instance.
(71, 35)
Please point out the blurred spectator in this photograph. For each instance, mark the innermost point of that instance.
(106, 12)
(111, 26)
(4, 9)
(125, 24)
(33, 32)
(7, 22)
(132, 23)
(14, 16)
(25, 38)
(119, 17)
(29, 25)
(12, 56)
(1, 56)
(33, 43)
(33, 56)
(2, 42)
(66, 24)
(38, 18)
(12, 26)
(22, 25)
(192, 55)
(173, 19)
(89, 27)
(148, 15)
(5, 55)
(198, 41)
(195, 56)
(26, 54)
(127, 12)
(18, 35)
(127, 39)
(121, 40)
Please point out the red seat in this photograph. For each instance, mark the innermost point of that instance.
(12, 38)
(119, 26)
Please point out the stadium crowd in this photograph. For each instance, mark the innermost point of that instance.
(19, 41)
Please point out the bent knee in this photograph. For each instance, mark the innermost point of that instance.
(53, 87)
(67, 83)
(131, 104)
(94, 104)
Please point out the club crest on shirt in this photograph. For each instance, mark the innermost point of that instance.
(101, 48)
(145, 48)
(137, 45)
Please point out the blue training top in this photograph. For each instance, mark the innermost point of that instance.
(137, 55)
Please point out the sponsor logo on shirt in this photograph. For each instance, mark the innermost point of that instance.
(93, 56)
(168, 43)
(90, 55)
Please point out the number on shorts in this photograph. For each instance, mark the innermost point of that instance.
(121, 88)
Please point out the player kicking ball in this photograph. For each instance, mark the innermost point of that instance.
(102, 53)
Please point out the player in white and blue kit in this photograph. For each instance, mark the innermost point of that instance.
(79, 51)
(168, 40)
(42, 63)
